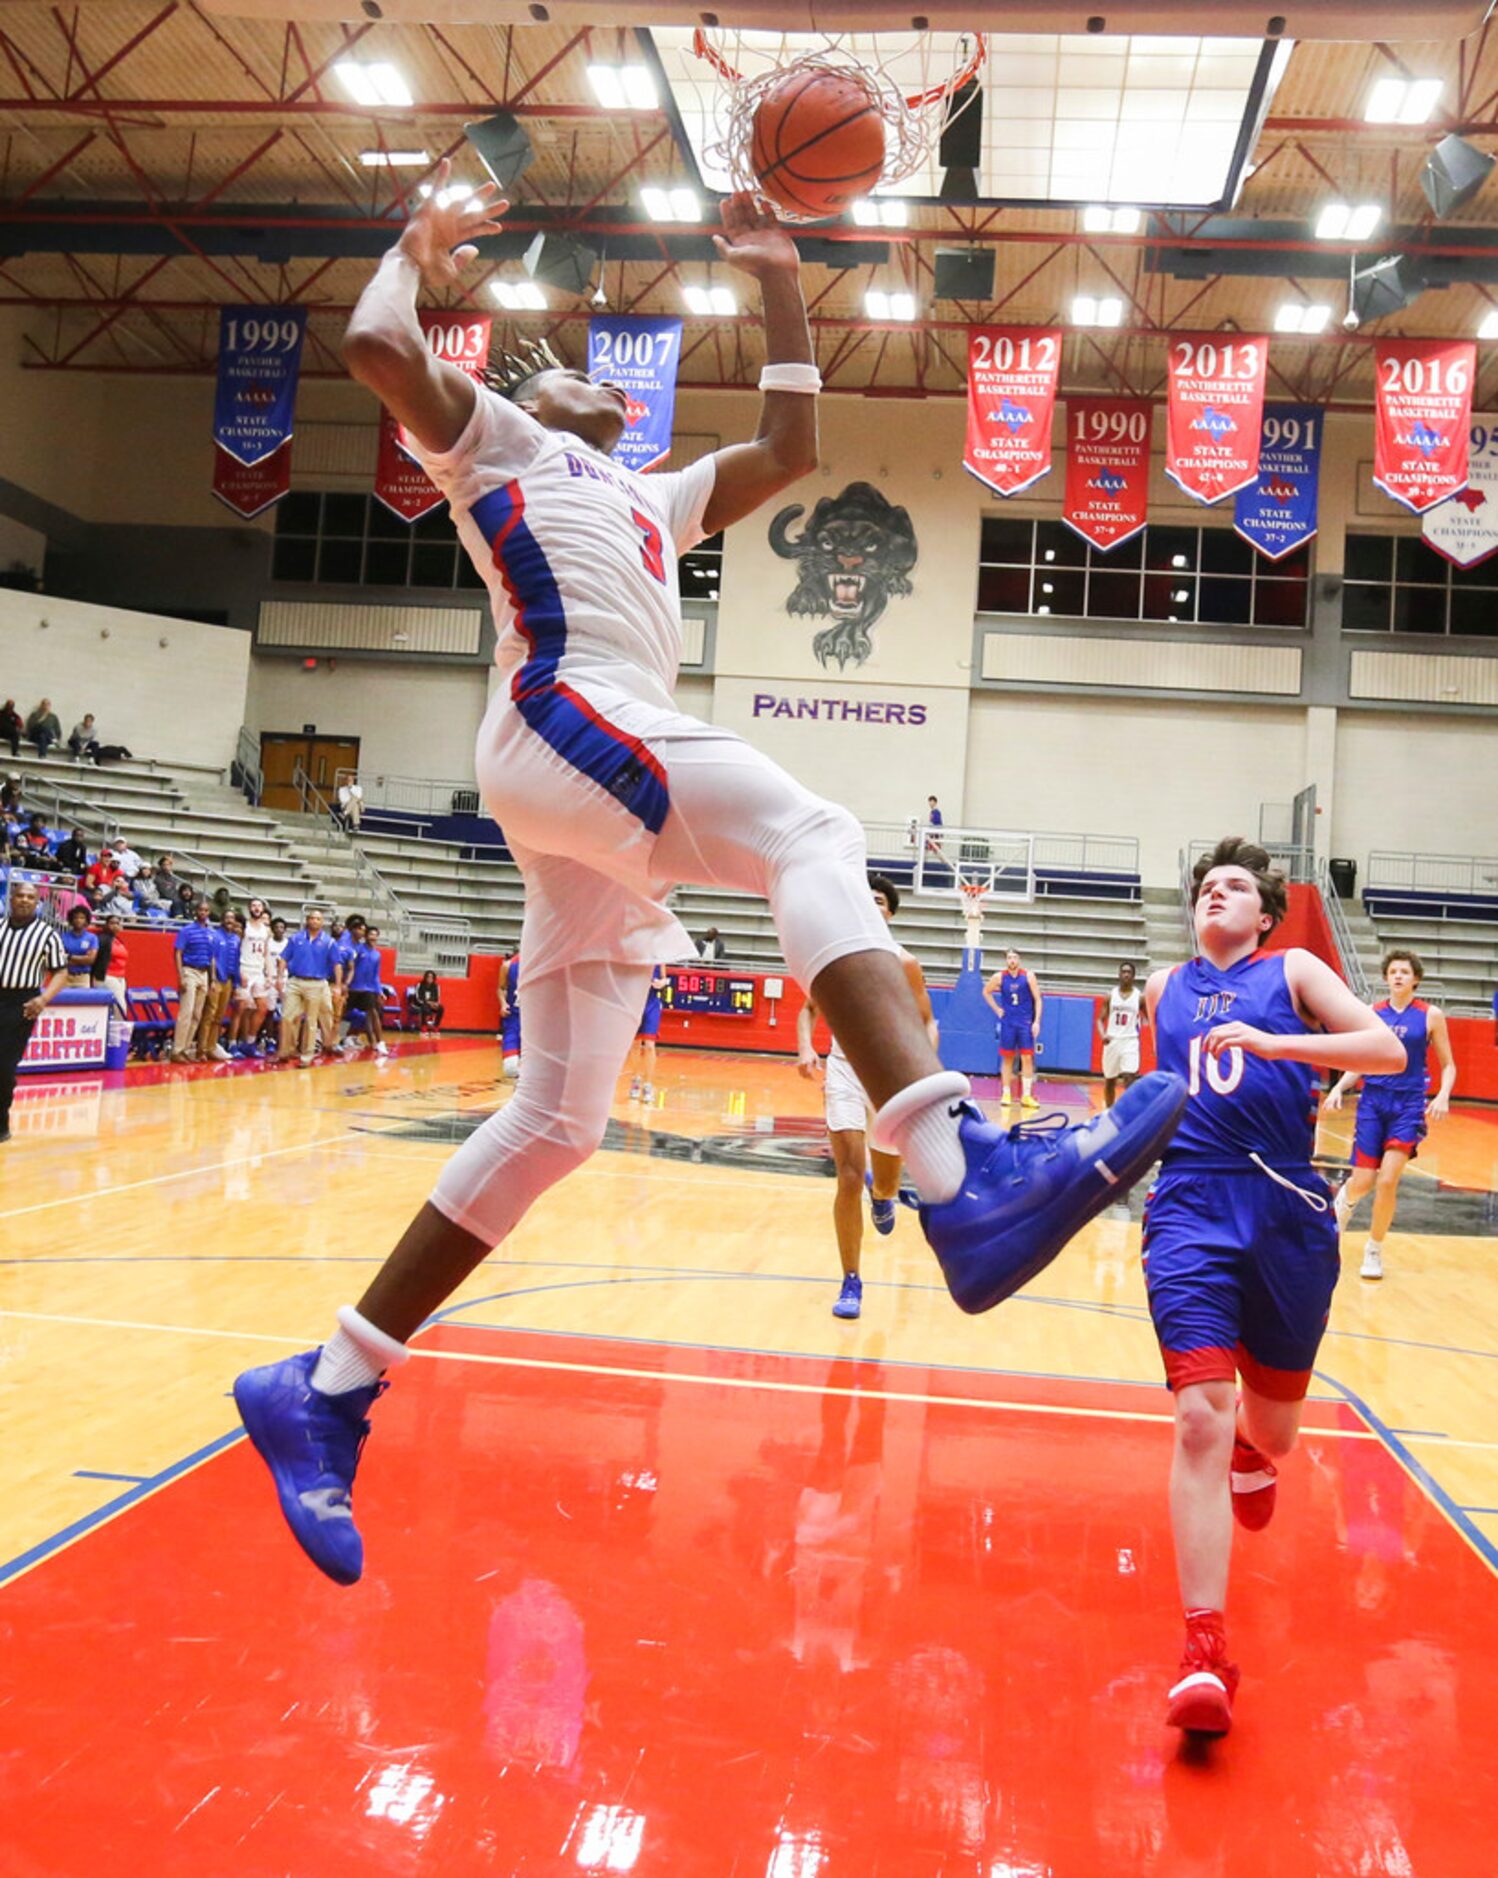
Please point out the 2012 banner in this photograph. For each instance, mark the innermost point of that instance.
(1215, 401)
(1422, 412)
(1012, 374)
(640, 356)
(1107, 468)
(1277, 513)
(259, 359)
(462, 338)
(1464, 528)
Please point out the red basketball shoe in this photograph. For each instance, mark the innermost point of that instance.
(1254, 1476)
(1201, 1699)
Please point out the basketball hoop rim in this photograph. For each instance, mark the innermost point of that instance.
(914, 101)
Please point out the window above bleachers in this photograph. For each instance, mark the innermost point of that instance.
(341, 538)
(1397, 583)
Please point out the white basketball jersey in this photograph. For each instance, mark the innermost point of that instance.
(579, 555)
(1123, 1013)
(254, 952)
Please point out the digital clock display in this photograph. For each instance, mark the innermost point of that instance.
(716, 992)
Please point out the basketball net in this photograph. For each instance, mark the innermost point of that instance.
(751, 64)
(974, 893)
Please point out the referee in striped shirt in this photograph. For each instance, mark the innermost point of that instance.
(29, 947)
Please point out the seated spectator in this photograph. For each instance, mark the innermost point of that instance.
(186, 903)
(424, 1002)
(42, 727)
(110, 965)
(36, 844)
(168, 880)
(11, 726)
(72, 854)
(147, 895)
(102, 872)
(82, 948)
(350, 805)
(82, 740)
(118, 902)
(10, 798)
(711, 945)
(125, 857)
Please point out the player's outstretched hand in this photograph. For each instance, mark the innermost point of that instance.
(1242, 1037)
(439, 237)
(753, 239)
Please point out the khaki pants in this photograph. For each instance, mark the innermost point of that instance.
(189, 1008)
(305, 1006)
(117, 986)
(215, 1003)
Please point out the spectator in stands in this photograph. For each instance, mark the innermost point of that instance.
(351, 804)
(110, 965)
(101, 872)
(82, 948)
(186, 904)
(117, 901)
(425, 1002)
(711, 945)
(36, 844)
(10, 799)
(147, 895)
(11, 726)
(306, 1002)
(125, 858)
(168, 880)
(82, 740)
(227, 944)
(195, 954)
(42, 727)
(72, 854)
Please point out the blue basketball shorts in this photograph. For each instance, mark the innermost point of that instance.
(650, 1021)
(509, 1034)
(1016, 1034)
(1240, 1273)
(1387, 1122)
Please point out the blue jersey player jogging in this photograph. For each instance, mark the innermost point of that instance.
(1391, 1113)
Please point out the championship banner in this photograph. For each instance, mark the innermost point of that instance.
(1277, 514)
(1012, 373)
(259, 357)
(1422, 411)
(462, 338)
(640, 357)
(1465, 527)
(248, 488)
(1107, 468)
(1215, 401)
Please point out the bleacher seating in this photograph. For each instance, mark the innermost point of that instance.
(1459, 948)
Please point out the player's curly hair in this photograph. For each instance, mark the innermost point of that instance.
(1412, 959)
(511, 373)
(1237, 851)
(881, 883)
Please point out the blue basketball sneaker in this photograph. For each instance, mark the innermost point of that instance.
(882, 1212)
(311, 1443)
(850, 1298)
(1031, 1188)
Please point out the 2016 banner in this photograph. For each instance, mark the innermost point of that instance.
(1107, 468)
(640, 356)
(1012, 373)
(259, 357)
(462, 338)
(1465, 527)
(248, 488)
(1215, 402)
(1422, 411)
(1277, 514)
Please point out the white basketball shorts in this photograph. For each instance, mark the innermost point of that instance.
(1121, 1057)
(846, 1104)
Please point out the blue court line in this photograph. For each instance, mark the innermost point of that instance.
(1481, 1509)
(1425, 1434)
(57, 1540)
(93, 1473)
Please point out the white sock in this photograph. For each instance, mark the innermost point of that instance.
(1342, 1208)
(930, 1148)
(1375, 1245)
(356, 1355)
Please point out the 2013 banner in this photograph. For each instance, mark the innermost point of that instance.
(1465, 527)
(259, 358)
(462, 338)
(1422, 411)
(1277, 513)
(1215, 401)
(1107, 468)
(1012, 374)
(248, 488)
(640, 356)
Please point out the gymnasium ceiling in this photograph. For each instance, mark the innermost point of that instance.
(158, 160)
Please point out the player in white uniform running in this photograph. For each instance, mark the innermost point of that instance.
(1119, 1029)
(609, 797)
(848, 1118)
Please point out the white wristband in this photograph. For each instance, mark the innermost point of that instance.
(792, 377)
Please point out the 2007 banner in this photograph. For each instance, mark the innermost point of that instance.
(462, 338)
(1422, 411)
(1012, 374)
(1107, 468)
(640, 356)
(1215, 401)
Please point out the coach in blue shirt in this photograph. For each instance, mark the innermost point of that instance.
(364, 988)
(340, 973)
(216, 1005)
(306, 1006)
(196, 955)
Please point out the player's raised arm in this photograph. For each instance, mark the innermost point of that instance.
(384, 346)
(785, 448)
(1351, 1037)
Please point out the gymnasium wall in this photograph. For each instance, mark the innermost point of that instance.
(413, 719)
(1416, 784)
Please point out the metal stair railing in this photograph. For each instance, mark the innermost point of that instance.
(245, 772)
(1342, 934)
(62, 805)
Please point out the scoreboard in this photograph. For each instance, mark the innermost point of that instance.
(720, 993)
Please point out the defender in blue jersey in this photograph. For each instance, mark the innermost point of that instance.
(642, 1079)
(1013, 995)
(1240, 1249)
(1394, 1111)
(509, 1019)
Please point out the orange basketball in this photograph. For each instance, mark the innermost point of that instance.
(818, 143)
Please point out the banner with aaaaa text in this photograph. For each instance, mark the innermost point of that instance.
(1215, 400)
(259, 358)
(640, 356)
(460, 336)
(1465, 526)
(1012, 374)
(1422, 411)
(1107, 468)
(249, 488)
(1277, 513)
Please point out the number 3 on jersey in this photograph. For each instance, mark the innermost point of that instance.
(650, 546)
(1224, 1072)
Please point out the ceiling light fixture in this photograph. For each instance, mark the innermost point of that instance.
(1100, 219)
(623, 87)
(454, 192)
(710, 302)
(880, 305)
(1489, 326)
(1296, 316)
(1088, 310)
(519, 296)
(1341, 221)
(881, 212)
(393, 159)
(376, 86)
(1403, 100)
(670, 205)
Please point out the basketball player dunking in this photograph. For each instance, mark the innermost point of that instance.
(609, 798)
(1240, 1249)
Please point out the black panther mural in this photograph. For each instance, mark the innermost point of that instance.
(852, 557)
